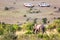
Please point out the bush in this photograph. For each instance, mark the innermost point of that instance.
(37, 11)
(50, 26)
(55, 7)
(9, 36)
(33, 10)
(40, 35)
(25, 15)
(1, 31)
(35, 20)
(29, 32)
(12, 28)
(30, 9)
(8, 28)
(44, 20)
(58, 18)
(54, 17)
(14, 2)
(58, 29)
(59, 9)
(45, 36)
(28, 26)
(57, 23)
(51, 13)
(6, 8)
(19, 28)
(48, 21)
(3, 25)
(15, 26)
(27, 19)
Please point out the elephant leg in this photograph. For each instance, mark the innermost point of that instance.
(43, 30)
(33, 30)
(39, 30)
(36, 31)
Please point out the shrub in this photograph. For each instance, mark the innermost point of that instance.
(51, 26)
(37, 11)
(58, 18)
(25, 15)
(55, 24)
(51, 13)
(28, 26)
(35, 20)
(54, 17)
(58, 29)
(30, 9)
(15, 26)
(44, 20)
(59, 9)
(8, 28)
(48, 21)
(1, 31)
(40, 35)
(14, 2)
(46, 37)
(3, 25)
(55, 7)
(33, 10)
(9, 36)
(0, 22)
(19, 28)
(27, 19)
(6, 8)
(29, 32)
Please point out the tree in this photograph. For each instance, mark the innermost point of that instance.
(44, 20)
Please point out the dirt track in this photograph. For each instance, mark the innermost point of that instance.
(16, 15)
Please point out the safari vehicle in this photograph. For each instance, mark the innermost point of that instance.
(44, 4)
(28, 5)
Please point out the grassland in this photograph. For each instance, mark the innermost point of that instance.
(16, 16)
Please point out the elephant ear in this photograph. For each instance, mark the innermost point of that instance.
(35, 25)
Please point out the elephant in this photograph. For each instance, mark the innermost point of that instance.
(39, 27)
